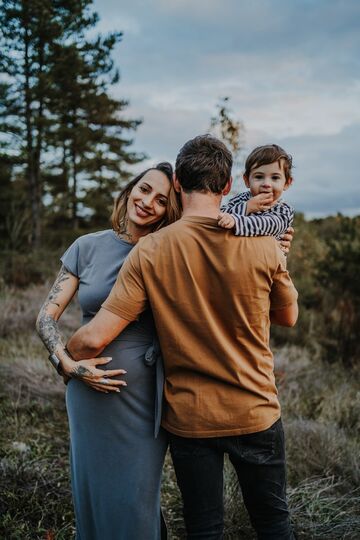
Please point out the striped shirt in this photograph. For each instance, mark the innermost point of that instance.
(273, 222)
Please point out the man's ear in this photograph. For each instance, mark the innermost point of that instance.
(246, 180)
(176, 183)
(288, 183)
(227, 187)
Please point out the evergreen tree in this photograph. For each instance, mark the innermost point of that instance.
(89, 134)
(56, 84)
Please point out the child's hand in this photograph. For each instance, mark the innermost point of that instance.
(260, 203)
(226, 221)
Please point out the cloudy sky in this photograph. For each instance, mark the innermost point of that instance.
(290, 67)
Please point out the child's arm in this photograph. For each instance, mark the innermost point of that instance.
(272, 222)
(237, 204)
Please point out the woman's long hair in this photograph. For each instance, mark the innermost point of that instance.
(173, 208)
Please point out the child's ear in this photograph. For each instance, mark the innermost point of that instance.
(246, 180)
(288, 183)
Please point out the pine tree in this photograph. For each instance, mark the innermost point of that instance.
(89, 135)
(56, 85)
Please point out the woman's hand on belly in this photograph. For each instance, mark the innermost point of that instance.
(98, 379)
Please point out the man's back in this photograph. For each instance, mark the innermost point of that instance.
(211, 294)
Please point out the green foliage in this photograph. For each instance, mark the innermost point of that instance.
(324, 262)
(63, 137)
(337, 275)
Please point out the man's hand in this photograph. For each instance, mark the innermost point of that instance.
(98, 379)
(286, 239)
(260, 203)
(226, 221)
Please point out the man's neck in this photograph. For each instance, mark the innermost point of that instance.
(201, 204)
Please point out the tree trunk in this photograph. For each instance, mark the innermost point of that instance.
(31, 177)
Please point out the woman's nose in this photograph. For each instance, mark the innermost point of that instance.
(147, 200)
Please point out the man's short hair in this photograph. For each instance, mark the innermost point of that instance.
(203, 164)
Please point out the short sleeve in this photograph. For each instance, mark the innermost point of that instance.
(283, 292)
(70, 259)
(128, 297)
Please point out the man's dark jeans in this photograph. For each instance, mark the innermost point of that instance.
(259, 461)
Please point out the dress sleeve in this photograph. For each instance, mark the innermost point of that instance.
(273, 222)
(70, 259)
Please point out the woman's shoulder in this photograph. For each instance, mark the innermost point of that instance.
(92, 238)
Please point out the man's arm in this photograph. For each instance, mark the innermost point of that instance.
(91, 339)
(286, 316)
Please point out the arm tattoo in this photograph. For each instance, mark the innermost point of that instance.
(46, 326)
(57, 287)
(48, 331)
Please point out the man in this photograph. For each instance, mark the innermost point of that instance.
(212, 295)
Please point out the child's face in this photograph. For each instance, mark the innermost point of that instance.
(268, 179)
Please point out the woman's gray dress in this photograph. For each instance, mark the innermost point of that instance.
(116, 461)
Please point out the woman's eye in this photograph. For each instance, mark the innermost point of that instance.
(143, 189)
(162, 202)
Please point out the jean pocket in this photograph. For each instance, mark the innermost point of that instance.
(258, 448)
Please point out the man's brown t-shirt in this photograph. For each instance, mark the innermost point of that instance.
(210, 293)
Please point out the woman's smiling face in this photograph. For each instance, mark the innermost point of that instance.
(148, 199)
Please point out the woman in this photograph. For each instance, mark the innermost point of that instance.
(116, 460)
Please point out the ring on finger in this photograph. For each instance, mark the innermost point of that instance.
(104, 381)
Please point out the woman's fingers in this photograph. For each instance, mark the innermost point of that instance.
(105, 388)
(113, 372)
(101, 360)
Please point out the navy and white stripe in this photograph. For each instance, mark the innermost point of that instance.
(273, 222)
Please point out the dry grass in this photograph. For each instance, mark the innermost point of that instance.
(321, 412)
(20, 307)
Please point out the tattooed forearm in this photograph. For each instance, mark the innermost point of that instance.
(46, 324)
(48, 331)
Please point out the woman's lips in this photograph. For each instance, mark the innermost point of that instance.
(141, 212)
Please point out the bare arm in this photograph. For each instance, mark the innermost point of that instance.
(92, 338)
(286, 316)
(58, 299)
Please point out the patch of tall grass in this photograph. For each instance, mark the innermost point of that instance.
(320, 410)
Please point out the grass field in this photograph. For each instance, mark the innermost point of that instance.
(321, 413)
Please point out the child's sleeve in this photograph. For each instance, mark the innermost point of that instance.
(237, 205)
(273, 222)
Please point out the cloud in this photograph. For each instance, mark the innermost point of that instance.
(290, 68)
(326, 173)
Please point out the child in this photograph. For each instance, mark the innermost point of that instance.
(261, 211)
